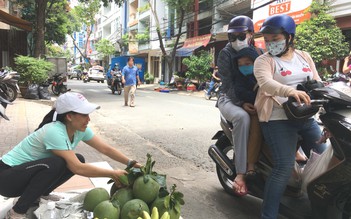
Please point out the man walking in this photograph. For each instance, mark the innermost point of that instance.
(129, 79)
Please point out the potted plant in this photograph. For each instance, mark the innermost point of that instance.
(32, 71)
(149, 79)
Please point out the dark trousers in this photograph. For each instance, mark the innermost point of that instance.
(33, 179)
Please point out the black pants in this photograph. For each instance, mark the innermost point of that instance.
(33, 179)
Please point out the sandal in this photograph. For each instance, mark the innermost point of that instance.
(237, 188)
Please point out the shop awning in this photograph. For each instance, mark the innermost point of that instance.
(15, 21)
(184, 51)
(191, 44)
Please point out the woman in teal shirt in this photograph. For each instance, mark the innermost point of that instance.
(45, 159)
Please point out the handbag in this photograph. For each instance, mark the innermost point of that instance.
(294, 111)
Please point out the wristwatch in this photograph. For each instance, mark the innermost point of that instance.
(131, 163)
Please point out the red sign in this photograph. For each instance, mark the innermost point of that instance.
(202, 40)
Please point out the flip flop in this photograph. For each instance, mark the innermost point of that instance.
(235, 190)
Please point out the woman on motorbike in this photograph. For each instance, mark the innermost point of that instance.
(45, 159)
(240, 35)
(278, 72)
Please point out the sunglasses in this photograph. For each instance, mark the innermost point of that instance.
(232, 37)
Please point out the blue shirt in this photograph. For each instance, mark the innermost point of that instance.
(129, 74)
(38, 145)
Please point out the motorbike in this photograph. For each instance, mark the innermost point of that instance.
(8, 85)
(115, 83)
(57, 85)
(328, 195)
(85, 76)
(3, 105)
(215, 91)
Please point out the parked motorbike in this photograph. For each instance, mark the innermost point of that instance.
(3, 105)
(8, 85)
(58, 86)
(115, 83)
(329, 194)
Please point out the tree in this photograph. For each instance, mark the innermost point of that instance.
(320, 36)
(84, 14)
(106, 48)
(181, 7)
(198, 66)
(57, 51)
(49, 20)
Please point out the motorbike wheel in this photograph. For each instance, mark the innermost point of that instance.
(11, 92)
(226, 181)
(55, 90)
(119, 89)
(63, 89)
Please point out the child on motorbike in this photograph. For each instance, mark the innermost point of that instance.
(246, 90)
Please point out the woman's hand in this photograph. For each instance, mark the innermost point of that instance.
(116, 174)
(300, 96)
(249, 108)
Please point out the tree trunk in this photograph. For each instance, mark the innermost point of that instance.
(81, 53)
(40, 6)
(169, 59)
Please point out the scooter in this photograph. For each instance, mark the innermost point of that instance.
(85, 76)
(328, 195)
(215, 90)
(3, 105)
(116, 83)
(58, 85)
(8, 84)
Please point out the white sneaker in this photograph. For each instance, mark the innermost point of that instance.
(11, 214)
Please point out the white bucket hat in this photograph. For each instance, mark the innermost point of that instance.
(74, 102)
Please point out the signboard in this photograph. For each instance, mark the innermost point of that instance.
(294, 8)
(202, 40)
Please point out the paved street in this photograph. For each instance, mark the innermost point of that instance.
(176, 129)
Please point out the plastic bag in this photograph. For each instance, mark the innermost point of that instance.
(315, 166)
(32, 92)
(71, 208)
(44, 93)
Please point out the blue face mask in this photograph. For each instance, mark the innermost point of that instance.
(246, 69)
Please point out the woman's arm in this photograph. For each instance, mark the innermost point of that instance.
(346, 69)
(104, 148)
(84, 169)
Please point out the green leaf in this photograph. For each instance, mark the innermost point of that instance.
(167, 202)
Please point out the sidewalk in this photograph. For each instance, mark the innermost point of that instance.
(25, 116)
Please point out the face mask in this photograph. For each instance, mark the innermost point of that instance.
(246, 69)
(239, 45)
(275, 48)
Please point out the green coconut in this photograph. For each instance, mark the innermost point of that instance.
(107, 210)
(95, 197)
(122, 196)
(134, 209)
(146, 189)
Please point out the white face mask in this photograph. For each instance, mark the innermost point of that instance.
(239, 45)
(275, 48)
